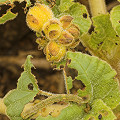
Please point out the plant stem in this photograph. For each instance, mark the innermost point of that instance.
(49, 101)
(97, 7)
(41, 92)
(65, 79)
(2, 107)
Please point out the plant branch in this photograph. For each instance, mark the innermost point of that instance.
(49, 101)
(65, 79)
(2, 107)
(97, 7)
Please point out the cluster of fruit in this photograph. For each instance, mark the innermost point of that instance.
(56, 36)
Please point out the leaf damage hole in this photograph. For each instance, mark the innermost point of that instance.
(92, 28)
(100, 43)
(119, 21)
(71, 72)
(117, 36)
(30, 86)
(116, 43)
(18, 6)
(84, 15)
(68, 61)
(100, 117)
(61, 66)
(78, 84)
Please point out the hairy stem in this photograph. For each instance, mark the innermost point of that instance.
(49, 101)
(65, 79)
(41, 92)
(2, 107)
(97, 7)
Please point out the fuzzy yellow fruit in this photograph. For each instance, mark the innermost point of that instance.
(55, 52)
(37, 16)
(52, 29)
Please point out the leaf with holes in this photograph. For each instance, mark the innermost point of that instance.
(100, 111)
(72, 112)
(25, 92)
(104, 42)
(98, 78)
(81, 17)
(115, 18)
(8, 16)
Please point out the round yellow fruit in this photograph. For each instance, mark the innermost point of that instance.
(37, 16)
(55, 52)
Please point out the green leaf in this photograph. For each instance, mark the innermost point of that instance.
(100, 111)
(72, 112)
(25, 92)
(65, 5)
(81, 17)
(115, 18)
(8, 16)
(104, 42)
(97, 76)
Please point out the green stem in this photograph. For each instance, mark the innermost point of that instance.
(65, 79)
(41, 92)
(97, 7)
(49, 101)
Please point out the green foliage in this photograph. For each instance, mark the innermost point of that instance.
(72, 112)
(25, 92)
(115, 18)
(98, 78)
(81, 17)
(8, 16)
(100, 111)
(104, 41)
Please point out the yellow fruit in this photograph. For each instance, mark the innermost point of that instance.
(66, 21)
(37, 16)
(55, 52)
(66, 38)
(74, 30)
(52, 29)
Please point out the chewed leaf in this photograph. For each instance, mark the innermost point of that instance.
(115, 18)
(104, 42)
(72, 112)
(81, 17)
(8, 16)
(100, 111)
(25, 92)
(98, 78)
